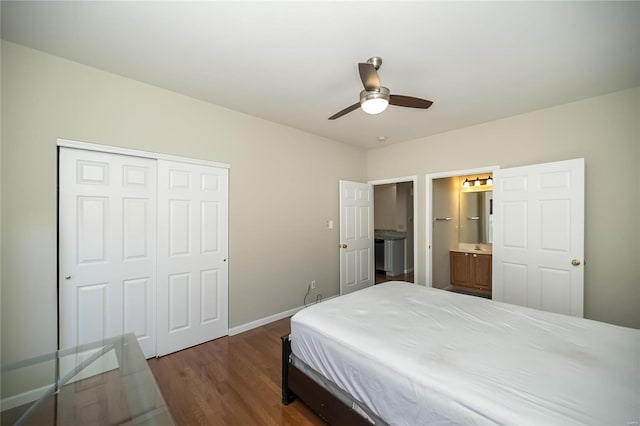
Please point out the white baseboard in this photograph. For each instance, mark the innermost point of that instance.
(22, 398)
(266, 320)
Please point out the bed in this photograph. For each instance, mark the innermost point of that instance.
(399, 353)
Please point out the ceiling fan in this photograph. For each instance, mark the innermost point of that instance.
(375, 98)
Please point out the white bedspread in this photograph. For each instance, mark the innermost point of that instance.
(416, 355)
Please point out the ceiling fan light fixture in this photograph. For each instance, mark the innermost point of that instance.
(374, 101)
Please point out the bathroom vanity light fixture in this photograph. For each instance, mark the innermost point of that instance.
(478, 182)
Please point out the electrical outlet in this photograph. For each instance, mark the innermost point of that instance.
(313, 284)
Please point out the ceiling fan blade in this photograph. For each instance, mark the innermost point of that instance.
(347, 110)
(409, 101)
(369, 76)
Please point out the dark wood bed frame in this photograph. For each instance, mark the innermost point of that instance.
(296, 384)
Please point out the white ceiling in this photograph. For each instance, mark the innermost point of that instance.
(295, 63)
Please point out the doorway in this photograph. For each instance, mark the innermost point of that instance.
(443, 216)
(395, 231)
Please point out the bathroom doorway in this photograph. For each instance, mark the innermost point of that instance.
(395, 211)
(451, 227)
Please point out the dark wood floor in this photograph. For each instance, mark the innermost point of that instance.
(230, 381)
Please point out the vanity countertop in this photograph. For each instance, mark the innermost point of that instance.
(477, 251)
(473, 248)
(389, 234)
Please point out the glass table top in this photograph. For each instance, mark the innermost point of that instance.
(102, 383)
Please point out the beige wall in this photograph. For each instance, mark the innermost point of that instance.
(384, 206)
(283, 187)
(445, 201)
(605, 131)
(402, 193)
(284, 184)
(404, 216)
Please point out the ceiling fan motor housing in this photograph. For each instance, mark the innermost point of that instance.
(376, 61)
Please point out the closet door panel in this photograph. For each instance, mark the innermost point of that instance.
(107, 247)
(179, 301)
(192, 254)
(179, 223)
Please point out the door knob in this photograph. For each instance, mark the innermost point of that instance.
(67, 277)
(575, 262)
(343, 246)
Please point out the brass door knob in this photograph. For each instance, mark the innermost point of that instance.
(575, 262)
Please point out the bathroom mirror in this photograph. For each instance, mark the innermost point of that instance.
(476, 217)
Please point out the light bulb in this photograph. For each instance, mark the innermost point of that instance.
(374, 101)
(489, 181)
(477, 182)
(374, 106)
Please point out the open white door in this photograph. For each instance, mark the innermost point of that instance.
(538, 247)
(356, 236)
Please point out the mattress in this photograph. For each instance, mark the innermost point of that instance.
(415, 355)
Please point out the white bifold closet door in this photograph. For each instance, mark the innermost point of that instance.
(143, 248)
(107, 243)
(192, 255)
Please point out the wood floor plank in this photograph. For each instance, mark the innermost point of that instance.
(230, 381)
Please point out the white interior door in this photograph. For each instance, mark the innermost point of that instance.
(107, 253)
(538, 249)
(356, 236)
(192, 254)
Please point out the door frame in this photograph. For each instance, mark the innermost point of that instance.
(414, 180)
(67, 143)
(87, 146)
(429, 211)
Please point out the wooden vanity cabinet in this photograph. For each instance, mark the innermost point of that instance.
(471, 272)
